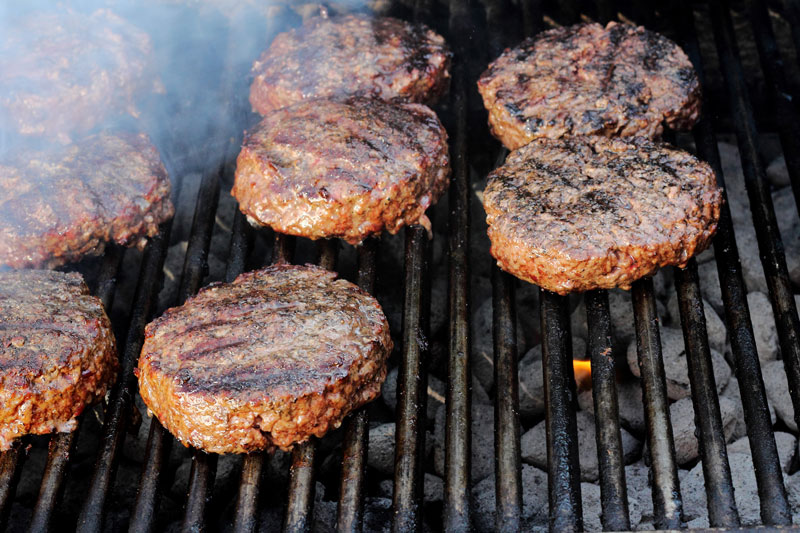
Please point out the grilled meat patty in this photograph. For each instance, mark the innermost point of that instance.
(56, 208)
(277, 356)
(57, 352)
(581, 213)
(353, 55)
(620, 80)
(350, 169)
(63, 71)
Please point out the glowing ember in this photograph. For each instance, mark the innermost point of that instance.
(583, 374)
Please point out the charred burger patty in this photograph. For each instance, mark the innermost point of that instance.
(353, 55)
(620, 80)
(277, 356)
(581, 213)
(65, 71)
(57, 352)
(57, 208)
(350, 169)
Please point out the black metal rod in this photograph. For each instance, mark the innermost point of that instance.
(283, 250)
(145, 509)
(722, 510)
(508, 456)
(300, 508)
(458, 433)
(564, 477)
(242, 236)
(246, 519)
(411, 396)
(613, 493)
(92, 513)
(781, 96)
(59, 450)
(107, 279)
(201, 485)
(769, 477)
(11, 462)
(768, 235)
(355, 447)
(667, 503)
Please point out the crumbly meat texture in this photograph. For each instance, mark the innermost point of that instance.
(325, 169)
(57, 352)
(582, 213)
(55, 208)
(352, 55)
(64, 72)
(620, 80)
(277, 356)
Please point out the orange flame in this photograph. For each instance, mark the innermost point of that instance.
(583, 374)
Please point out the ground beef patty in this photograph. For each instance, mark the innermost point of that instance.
(350, 169)
(353, 55)
(57, 352)
(589, 80)
(277, 356)
(56, 208)
(63, 71)
(581, 213)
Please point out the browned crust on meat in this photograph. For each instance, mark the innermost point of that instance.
(277, 356)
(620, 80)
(63, 72)
(352, 55)
(582, 213)
(57, 352)
(325, 169)
(57, 208)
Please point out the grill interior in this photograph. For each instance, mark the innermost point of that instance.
(82, 493)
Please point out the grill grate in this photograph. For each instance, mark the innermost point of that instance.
(500, 23)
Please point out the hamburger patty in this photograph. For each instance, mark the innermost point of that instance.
(350, 169)
(353, 55)
(57, 208)
(65, 71)
(278, 355)
(57, 352)
(582, 213)
(620, 80)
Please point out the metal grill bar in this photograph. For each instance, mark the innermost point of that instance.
(613, 492)
(508, 456)
(412, 382)
(769, 239)
(769, 478)
(722, 510)
(781, 97)
(92, 513)
(356, 442)
(11, 462)
(458, 426)
(249, 488)
(667, 505)
(300, 509)
(564, 477)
